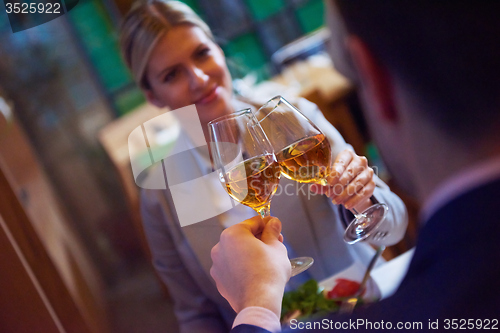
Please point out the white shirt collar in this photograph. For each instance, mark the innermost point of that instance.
(459, 184)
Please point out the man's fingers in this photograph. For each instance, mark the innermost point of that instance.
(272, 231)
(254, 225)
(215, 260)
(213, 273)
(220, 286)
(214, 251)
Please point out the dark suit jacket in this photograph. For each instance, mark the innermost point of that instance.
(454, 274)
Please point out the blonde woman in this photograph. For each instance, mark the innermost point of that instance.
(173, 57)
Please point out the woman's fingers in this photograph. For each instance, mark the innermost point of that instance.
(360, 196)
(355, 186)
(340, 165)
(352, 180)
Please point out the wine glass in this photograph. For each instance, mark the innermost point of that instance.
(248, 169)
(304, 155)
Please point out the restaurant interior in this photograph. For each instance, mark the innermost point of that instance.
(73, 254)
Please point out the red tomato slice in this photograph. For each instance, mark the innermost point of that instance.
(343, 288)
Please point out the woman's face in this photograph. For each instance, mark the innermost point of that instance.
(186, 67)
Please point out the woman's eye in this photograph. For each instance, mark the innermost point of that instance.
(170, 76)
(203, 52)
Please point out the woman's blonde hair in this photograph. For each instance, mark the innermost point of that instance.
(145, 24)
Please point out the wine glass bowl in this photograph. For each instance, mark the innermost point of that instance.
(247, 166)
(306, 160)
(302, 150)
(304, 155)
(253, 182)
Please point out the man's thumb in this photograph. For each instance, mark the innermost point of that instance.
(271, 231)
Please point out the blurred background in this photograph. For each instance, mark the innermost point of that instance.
(72, 253)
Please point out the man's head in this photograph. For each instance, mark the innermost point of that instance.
(432, 66)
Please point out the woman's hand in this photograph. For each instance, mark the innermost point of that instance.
(350, 182)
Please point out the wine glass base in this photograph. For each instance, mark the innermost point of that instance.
(300, 264)
(362, 228)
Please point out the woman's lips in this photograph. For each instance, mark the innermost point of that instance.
(210, 96)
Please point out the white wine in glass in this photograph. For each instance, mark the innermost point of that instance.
(253, 182)
(307, 160)
(304, 155)
(247, 166)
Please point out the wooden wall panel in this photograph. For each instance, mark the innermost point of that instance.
(49, 260)
(22, 308)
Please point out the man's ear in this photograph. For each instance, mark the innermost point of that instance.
(151, 98)
(375, 79)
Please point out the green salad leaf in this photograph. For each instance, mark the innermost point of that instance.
(309, 300)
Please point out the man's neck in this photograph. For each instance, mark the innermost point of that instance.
(449, 159)
(475, 175)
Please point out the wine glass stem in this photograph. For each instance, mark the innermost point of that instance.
(264, 211)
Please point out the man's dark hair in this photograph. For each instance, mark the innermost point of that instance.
(447, 52)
